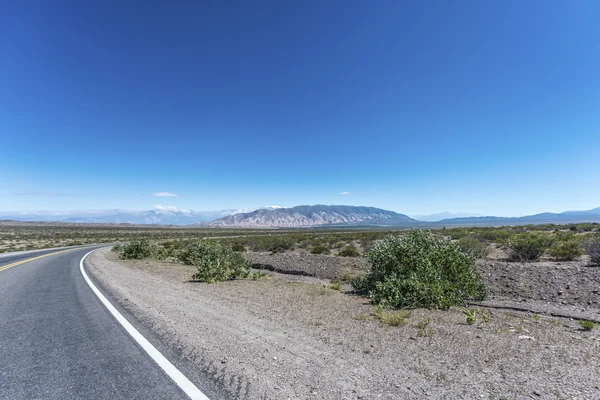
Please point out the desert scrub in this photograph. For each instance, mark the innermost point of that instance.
(420, 269)
(138, 249)
(391, 317)
(238, 247)
(349, 251)
(470, 316)
(528, 246)
(592, 248)
(586, 325)
(215, 262)
(320, 249)
(566, 247)
(474, 245)
(423, 328)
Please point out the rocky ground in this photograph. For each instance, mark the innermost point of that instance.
(291, 336)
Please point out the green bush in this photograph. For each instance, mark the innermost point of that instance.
(586, 325)
(420, 270)
(238, 247)
(277, 244)
(138, 249)
(320, 249)
(475, 246)
(592, 248)
(528, 246)
(566, 247)
(349, 251)
(215, 262)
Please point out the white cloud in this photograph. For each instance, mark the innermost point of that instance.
(164, 194)
(161, 207)
(345, 194)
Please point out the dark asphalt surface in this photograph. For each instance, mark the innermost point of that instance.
(57, 340)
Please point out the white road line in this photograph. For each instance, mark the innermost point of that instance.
(184, 383)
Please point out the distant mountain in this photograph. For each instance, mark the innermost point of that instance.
(543, 218)
(296, 217)
(314, 216)
(441, 216)
(160, 215)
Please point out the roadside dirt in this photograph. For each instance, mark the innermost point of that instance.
(292, 337)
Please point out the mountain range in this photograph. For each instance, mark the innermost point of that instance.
(295, 217)
(159, 215)
(319, 215)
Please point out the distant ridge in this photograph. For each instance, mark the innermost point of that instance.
(566, 217)
(313, 216)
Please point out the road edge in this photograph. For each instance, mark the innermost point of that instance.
(177, 376)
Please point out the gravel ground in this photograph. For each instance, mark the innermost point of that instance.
(282, 338)
(321, 266)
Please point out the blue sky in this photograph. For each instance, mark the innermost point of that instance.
(417, 107)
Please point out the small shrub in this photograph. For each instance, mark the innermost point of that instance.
(349, 251)
(393, 318)
(238, 247)
(279, 244)
(566, 248)
(215, 262)
(335, 286)
(420, 269)
(475, 246)
(470, 315)
(485, 317)
(320, 249)
(257, 275)
(528, 246)
(138, 249)
(586, 325)
(592, 248)
(423, 328)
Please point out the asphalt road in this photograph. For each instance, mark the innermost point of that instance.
(58, 341)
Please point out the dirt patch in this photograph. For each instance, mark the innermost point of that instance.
(320, 266)
(279, 339)
(566, 283)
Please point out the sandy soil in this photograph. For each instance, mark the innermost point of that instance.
(292, 337)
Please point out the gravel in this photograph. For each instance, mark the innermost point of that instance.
(321, 266)
(277, 338)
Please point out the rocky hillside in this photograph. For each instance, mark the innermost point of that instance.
(319, 215)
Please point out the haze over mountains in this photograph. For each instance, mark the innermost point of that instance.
(295, 217)
(160, 215)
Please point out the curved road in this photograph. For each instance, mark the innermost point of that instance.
(58, 341)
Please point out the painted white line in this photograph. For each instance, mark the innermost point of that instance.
(184, 383)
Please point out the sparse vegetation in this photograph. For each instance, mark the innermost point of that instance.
(240, 248)
(470, 316)
(424, 330)
(391, 317)
(349, 251)
(420, 269)
(479, 247)
(320, 249)
(586, 325)
(528, 246)
(592, 248)
(566, 247)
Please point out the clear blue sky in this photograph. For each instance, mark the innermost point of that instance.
(418, 107)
